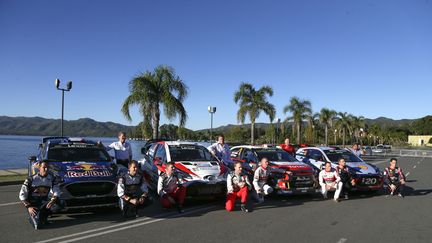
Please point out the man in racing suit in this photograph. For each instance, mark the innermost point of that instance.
(39, 194)
(329, 180)
(260, 179)
(170, 188)
(394, 178)
(346, 177)
(221, 151)
(132, 190)
(288, 147)
(237, 187)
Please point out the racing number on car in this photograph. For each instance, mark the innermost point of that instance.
(369, 181)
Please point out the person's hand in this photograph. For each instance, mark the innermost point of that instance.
(171, 200)
(328, 187)
(134, 201)
(353, 182)
(141, 200)
(50, 204)
(402, 182)
(32, 211)
(241, 184)
(392, 187)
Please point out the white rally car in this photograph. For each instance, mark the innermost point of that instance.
(367, 176)
(202, 173)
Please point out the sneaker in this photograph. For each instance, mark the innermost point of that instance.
(346, 196)
(400, 195)
(325, 196)
(337, 200)
(244, 209)
(391, 193)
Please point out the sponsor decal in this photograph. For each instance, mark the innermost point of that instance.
(362, 167)
(89, 173)
(86, 167)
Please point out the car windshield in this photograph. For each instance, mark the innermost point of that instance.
(275, 155)
(335, 155)
(85, 154)
(189, 153)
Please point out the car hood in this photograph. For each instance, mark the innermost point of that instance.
(362, 168)
(296, 165)
(84, 171)
(201, 169)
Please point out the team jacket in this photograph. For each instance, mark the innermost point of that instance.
(344, 174)
(168, 184)
(328, 177)
(233, 181)
(132, 186)
(39, 188)
(394, 175)
(261, 176)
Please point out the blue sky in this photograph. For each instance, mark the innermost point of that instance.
(369, 58)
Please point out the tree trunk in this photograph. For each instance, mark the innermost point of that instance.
(155, 124)
(343, 138)
(326, 135)
(298, 133)
(252, 133)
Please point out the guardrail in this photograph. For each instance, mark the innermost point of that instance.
(406, 153)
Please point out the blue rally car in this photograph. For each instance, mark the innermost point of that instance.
(86, 172)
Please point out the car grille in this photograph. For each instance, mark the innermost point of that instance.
(203, 189)
(90, 188)
(302, 181)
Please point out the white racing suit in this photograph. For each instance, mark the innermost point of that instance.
(331, 179)
(36, 192)
(260, 180)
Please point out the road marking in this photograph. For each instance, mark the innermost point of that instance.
(7, 204)
(127, 225)
(407, 174)
(414, 166)
(342, 240)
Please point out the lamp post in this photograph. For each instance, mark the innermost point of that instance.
(212, 110)
(68, 88)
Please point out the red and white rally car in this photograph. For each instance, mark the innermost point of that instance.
(202, 173)
(301, 181)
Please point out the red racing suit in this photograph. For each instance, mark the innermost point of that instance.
(237, 186)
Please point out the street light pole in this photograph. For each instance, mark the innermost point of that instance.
(212, 110)
(68, 88)
(335, 136)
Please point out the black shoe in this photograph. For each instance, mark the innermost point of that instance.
(180, 209)
(244, 209)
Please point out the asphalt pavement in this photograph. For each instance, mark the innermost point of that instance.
(365, 217)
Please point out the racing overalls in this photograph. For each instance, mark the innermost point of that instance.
(131, 187)
(237, 187)
(394, 177)
(332, 179)
(37, 191)
(346, 179)
(171, 185)
(260, 180)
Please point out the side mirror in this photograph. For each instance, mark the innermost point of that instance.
(32, 158)
(143, 150)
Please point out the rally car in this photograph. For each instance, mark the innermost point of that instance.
(86, 172)
(367, 176)
(301, 181)
(201, 172)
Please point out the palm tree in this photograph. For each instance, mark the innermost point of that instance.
(151, 90)
(344, 124)
(300, 110)
(312, 121)
(252, 102)
(326, 117)
(357, 123)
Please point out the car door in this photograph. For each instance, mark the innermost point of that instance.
(316, 158)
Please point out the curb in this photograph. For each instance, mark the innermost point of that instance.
(9, 183)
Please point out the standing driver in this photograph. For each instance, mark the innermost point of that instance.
(122, 150)
(221, 151)
(288, 147)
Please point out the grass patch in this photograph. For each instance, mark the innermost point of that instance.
(7, 178)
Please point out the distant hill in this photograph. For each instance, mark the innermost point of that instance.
(48, 127)
(387, 122)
